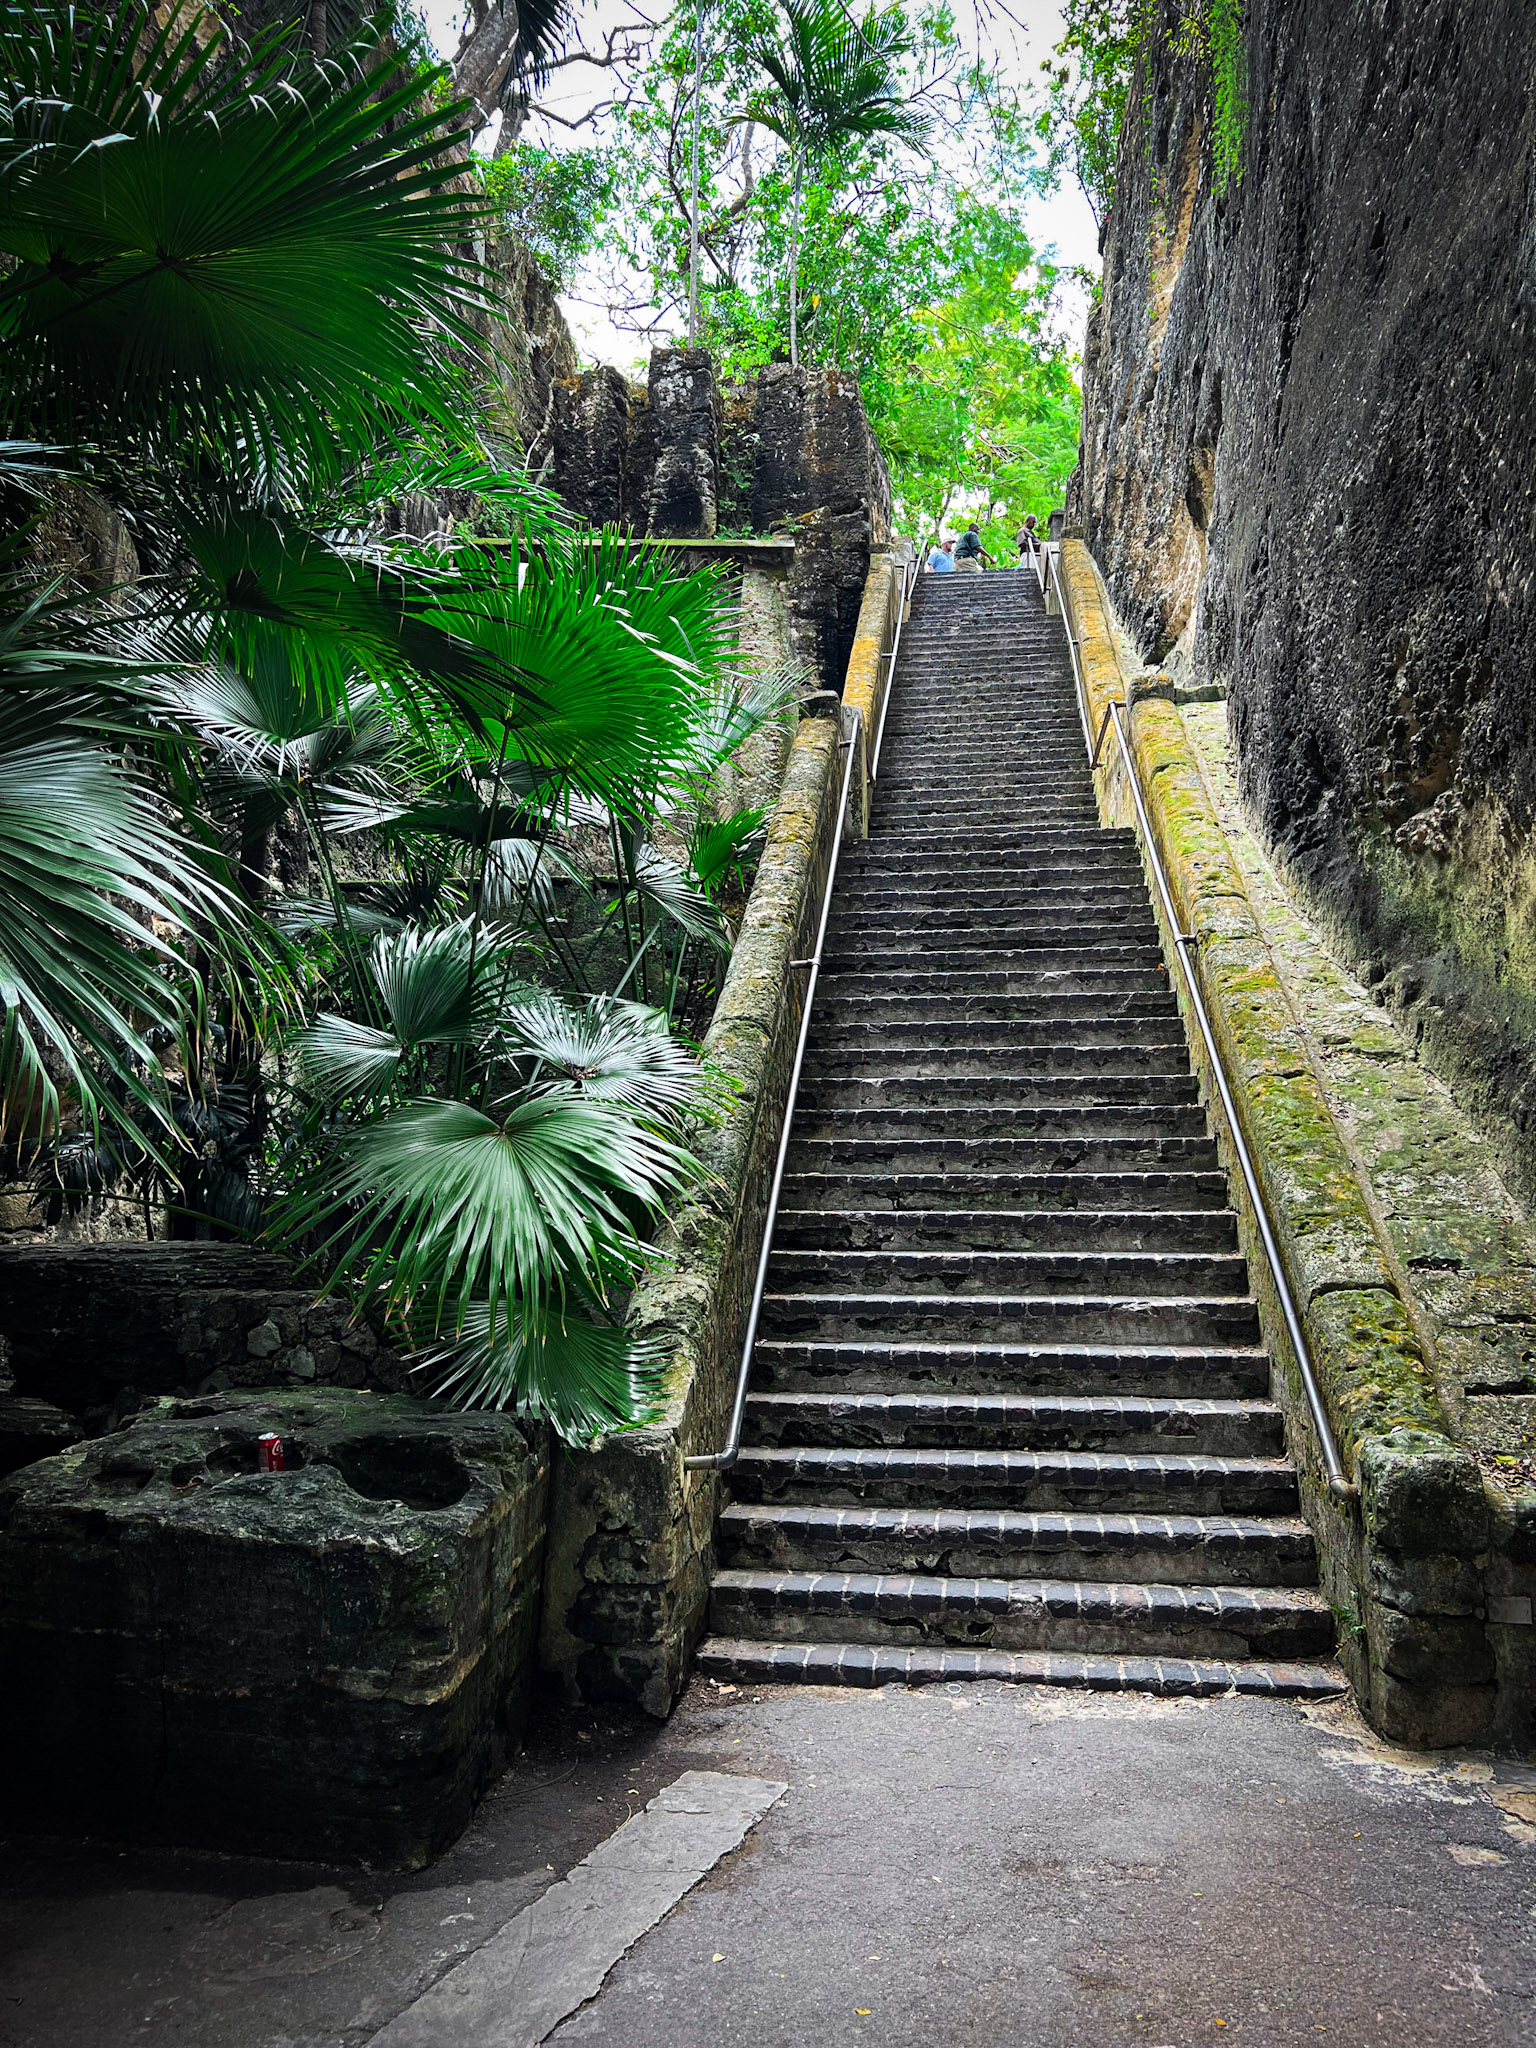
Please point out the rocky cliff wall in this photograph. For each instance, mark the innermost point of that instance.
(1307, 463)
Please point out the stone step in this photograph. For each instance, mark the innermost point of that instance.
(972, 1121)
(1099, 1617)
(936, 836)
(942, 888)
(961, 963)
(869, 1664)
(1080, 897)
(1109, 1319)
(941, 1419)
(1150, 1549)
(1074, 1233)
(1035, 1194)
(1022, 918)
(862, 1365)
(810, 1153)
(932, 1010)
(1114, 1482)
(903, 1270)
(908, 1064)
(957, 985)
(1045, 1040)
(835, 1089)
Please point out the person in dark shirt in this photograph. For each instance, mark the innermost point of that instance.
(969, 552)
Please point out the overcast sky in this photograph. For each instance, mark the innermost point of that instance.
(1061, 222)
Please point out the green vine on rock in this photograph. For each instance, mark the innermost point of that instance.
(1088, 80)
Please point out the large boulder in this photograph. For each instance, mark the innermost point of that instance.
(329, 1661)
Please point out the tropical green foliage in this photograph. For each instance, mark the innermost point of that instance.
(830, 83)
(1089, 79)
(350, 886)
(901, 256)
(555, 201)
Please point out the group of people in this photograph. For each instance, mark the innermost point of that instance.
(947, 555)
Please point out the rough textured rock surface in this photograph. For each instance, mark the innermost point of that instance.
(1308, 445)
(534, 343)
(31, 1429)
(87, 1323)
(590, 447)
(330, 1661)
(813, 449)
(683, 497)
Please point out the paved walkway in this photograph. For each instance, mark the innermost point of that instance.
(1000, 1867)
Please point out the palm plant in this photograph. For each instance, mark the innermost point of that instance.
(236, 302)
(832, 80)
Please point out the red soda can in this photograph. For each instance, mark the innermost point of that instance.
(269, 1453)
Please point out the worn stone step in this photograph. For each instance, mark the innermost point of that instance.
(939, 1419)
(1072, 1232)
(909, 1064)
(972, 984)
(1043, 1039)
(1022, 920)
(864, 1365)
(1114, 1482)
(973, 1121)
(741, 1662)
(960, 963)
(1036, 1194)
(1002, 884)
(1100, 1617)
(830, 1089)
(1099, 1318)
(1069, 901)
(1079, 1270)
(1151, 1549)
(934, 1009)
(834, 1153)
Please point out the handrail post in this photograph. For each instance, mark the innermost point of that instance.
(1185, 945)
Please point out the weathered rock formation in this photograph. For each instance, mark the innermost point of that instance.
(87, 1324)
(791, 453)
(1308, 448)
(329, 1661)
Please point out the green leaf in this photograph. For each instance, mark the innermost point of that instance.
(227, 242)
(587, 1377)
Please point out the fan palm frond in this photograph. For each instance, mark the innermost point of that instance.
(586, 1376)
(609, 1050)
(217, 241)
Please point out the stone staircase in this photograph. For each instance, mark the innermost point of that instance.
(1010, 1413)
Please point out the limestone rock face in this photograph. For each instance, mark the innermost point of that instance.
(1308, 445)
(328, 1661)
(814, 449)
(591, 447)
(683, 498)
(85, 1322)
(31, 1429)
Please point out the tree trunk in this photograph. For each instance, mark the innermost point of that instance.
(794, 267)
(484, 60)
(693, 200)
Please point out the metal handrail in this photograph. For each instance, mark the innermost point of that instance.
(1340, 1485)
(908, 585)
(722, 1460)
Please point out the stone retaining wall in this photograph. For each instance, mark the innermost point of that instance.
(631, 1536)
(1410, 1264)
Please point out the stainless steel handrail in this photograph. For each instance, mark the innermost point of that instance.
(908, 584)
(722, 1460)
(1340, 1485)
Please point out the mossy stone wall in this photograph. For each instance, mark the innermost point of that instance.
(1408, 1259)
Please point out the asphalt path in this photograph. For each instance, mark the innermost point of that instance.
(987, 1865)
